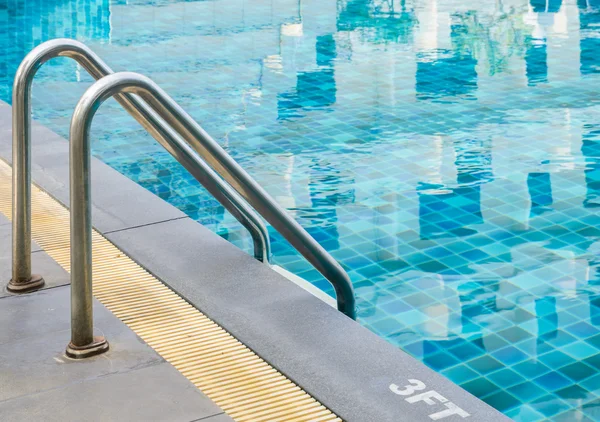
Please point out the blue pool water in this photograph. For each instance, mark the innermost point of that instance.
(446, 152)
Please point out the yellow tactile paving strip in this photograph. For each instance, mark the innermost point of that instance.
(241, 383)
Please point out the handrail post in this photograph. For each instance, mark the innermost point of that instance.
(22, 280)
(194, 139)
(83, 343)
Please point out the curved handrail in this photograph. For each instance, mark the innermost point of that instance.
(22, 279)
(211, 151)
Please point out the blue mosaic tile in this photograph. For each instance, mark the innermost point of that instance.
(502, 401)
(527, 391)
(552, 381)
(592, 384)
(577, 371)
(525, 413)
(460, 374)
(454, 173)
(592, 409)
(573, 415)
(506, 378)
(480, 387)
(549, 406)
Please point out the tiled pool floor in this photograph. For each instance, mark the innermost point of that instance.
(446, 152)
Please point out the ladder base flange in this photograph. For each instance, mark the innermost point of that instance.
(98, 346)
(36, 282)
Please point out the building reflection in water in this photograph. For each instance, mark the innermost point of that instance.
(590, 150)
(589, 20)
(451, 211)
(378, 20)
(28, 23)
(536, 61)
(540, 192)
(329, 190)
(314, 89)
(545, 6)
(446, 73)
(547, 322)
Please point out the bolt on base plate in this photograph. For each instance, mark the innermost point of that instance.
(98, 346)
(36, 282)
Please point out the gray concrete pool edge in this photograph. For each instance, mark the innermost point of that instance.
(130, 382)
(320, 349)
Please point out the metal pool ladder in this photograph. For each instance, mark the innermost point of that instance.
(183, 138)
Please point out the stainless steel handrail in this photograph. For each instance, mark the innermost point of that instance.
(212, 152)
(22, 279)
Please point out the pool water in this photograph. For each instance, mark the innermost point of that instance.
(446, 152)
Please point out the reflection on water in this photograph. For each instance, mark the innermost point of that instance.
(443, 73)
(589, 20)
(26, 24)
(590, 149)
(314, 89)
(446, 152)
(536, 61)
(449, 211)
(540, 192)
(378, 21)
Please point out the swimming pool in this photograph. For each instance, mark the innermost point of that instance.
(447, 153)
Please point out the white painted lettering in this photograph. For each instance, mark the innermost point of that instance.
(452, 409)
(427, 397)
(430, 397)
(409, 389)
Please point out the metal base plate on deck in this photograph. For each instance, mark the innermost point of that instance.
(98, 346)
(36, 282)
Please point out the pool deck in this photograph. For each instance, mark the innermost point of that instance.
(131, 382)
(340, 363)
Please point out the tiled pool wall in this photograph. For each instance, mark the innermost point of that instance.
(445, 152)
